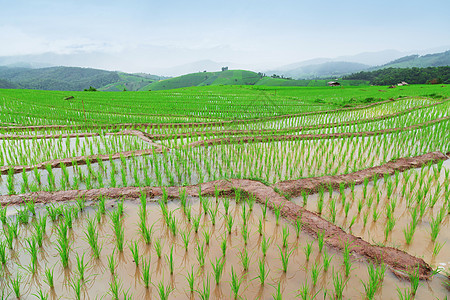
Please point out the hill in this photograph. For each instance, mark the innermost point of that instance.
(72, 79)
(414, 75)
(429, 60)
(229, 77)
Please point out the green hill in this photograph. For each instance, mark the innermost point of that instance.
(429, 60)
(229, 77)
(72, 79)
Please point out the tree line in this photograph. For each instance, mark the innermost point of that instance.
(390, 76)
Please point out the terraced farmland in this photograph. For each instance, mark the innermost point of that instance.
(226, 193)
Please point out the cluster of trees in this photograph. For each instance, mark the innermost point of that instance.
(390, 76)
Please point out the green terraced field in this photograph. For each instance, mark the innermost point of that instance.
(226, 192)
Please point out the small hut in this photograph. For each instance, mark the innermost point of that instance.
(403, 83)
(333, 83)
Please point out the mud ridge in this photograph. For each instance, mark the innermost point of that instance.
(249, 139)
(312, 185)
(79, 160)
(197, 124)
(398, 261)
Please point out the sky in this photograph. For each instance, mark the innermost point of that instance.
(141, 35)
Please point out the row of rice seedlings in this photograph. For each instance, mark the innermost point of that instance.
(186, 166)
(33, 151)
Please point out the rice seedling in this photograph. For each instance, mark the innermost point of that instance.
(32, 249)
(226, 205)
(200, 255)
(308, 250)
(315, 271)
(164, 291)
(145, 272)
(230, 221)
(285, 236)
(16, 284)
(404, 294)
(91, 234)
(63, 244)
(245, 234)
(339, 285)
(48, 278)
(158, 248)
(76, 285)
(414, 280)
(245, 259)
(265, 243)
(235, 284)
(114, 288)
(260, 226)
(23, 216)
(81, 266)
(347, 261)
(191, 280)
(134, 249)
(326, 258)
(218, 269)
(298, 226)
(376, 275)
(196, 223)
(264, 210)
(435, 225)
(437, 248)
(204, 294)
(262, 275)
(278, 294)
(3, 254)
(213, 215)
(284, 257)
(277, 212)
(223, 246)
(169, 259)
(186, 237)
(40, 295)
(206, 235)
(112, 263)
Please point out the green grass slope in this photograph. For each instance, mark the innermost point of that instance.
(229, 77)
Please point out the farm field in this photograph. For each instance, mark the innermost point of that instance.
(226, 192)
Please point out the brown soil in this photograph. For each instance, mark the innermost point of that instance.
(399, 261)
(80, 160)
(311, 185)
(198, 124)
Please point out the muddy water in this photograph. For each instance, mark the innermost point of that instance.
(99, 277)
(422, 244)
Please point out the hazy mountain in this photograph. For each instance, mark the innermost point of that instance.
(415, 60)
(322, 70)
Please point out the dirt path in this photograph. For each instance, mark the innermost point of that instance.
(399, 261)
(295, 188)
(80, 160)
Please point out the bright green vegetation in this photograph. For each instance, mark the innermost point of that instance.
(229, 77)
(26, 107)
(213, 247)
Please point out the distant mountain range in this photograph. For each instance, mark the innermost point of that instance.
(326, 68)
(22, 75)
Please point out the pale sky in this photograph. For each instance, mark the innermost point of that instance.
(155, 34)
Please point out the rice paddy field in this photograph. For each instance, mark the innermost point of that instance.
(226, 192)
